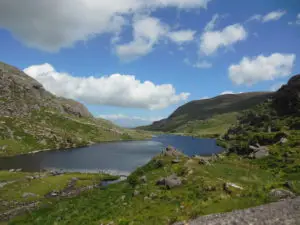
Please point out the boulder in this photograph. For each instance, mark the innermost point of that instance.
(229, 188)
(281, 194)
(143, 179)
(258, 152)
(171, 151)
(28, 194)
(136, 193)
(283, 140)
(12, 170)
(175, 161)
(204, 161)
(170, 181)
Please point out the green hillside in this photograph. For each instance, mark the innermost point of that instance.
(208, 117)
(32, 119)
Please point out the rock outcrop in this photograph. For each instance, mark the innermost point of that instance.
(20, 95)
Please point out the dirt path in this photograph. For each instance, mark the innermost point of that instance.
(286, 212)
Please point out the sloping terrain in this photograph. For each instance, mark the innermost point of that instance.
(33, 119)
(196, 113)
(261, 165)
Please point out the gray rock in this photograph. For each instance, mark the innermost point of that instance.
(143, 179)
(175, 161)
(204, 161)
(259, 152)
(12, 170)
(19, 170)
(283, 140)
(28, 194)
(136, 193)
(170, 181)
(281, 194)
(286, 212)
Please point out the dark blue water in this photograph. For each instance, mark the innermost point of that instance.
(113, 157)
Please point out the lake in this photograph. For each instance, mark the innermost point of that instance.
(113, 157)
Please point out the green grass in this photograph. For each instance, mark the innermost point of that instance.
(213, 127)
(51, 130)
(41, 186)
(191, 199)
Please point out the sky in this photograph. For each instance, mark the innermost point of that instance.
(135, 61)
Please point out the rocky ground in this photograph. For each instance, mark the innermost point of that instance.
(286, 212)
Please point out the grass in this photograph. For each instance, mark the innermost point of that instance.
(13, 192)
(212, 127)
(158, 205)
(52, 130)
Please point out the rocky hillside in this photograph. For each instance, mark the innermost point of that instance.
(33, 119)
(196, 114)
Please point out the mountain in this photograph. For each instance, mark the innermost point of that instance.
(208, 113)
(31, 118)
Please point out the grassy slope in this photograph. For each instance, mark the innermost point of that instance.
(193, 198)
(52, 130)
(12, 192)
(213, 127)
(204, 110)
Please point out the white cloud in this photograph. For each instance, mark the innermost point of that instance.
(52, 25)
(275, 15)
(272, 16)
(211, 41)
(130, 121)
(199, 64)
(212, 24)
(226, 93)
(115, 90)
(260, 68)
(147, 32)
(182, 36)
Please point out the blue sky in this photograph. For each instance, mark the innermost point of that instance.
(149, 57)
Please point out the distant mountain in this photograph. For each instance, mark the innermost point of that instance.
(31, 118)
(195, 112)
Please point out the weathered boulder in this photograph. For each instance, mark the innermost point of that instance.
(143, 179)
(28, 194)
(229, 188)
(281, 194)
(258, 152)
(171, 151)
(170, 181)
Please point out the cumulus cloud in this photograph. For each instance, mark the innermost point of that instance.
(52, 25)
(271, 16)
(182, 36)
(211, 41)
(261, 68)
(147, 32)
(114, 90)
(129, 121)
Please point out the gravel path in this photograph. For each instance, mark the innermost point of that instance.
(286, 212)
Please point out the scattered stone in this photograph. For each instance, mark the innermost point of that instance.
(175, 161)
(204, 161)
(281, 194)
(146, 198)
(136, 193)
(152, 195)
(170, 181)
(283, 140)
(28, 194)
(19, 170)
(289, 185)
(171, 151)
(123, 197)
(259, 151)
(12, 170)
(230, 187)
(3, 148)
(143, 179)
(210, 188)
